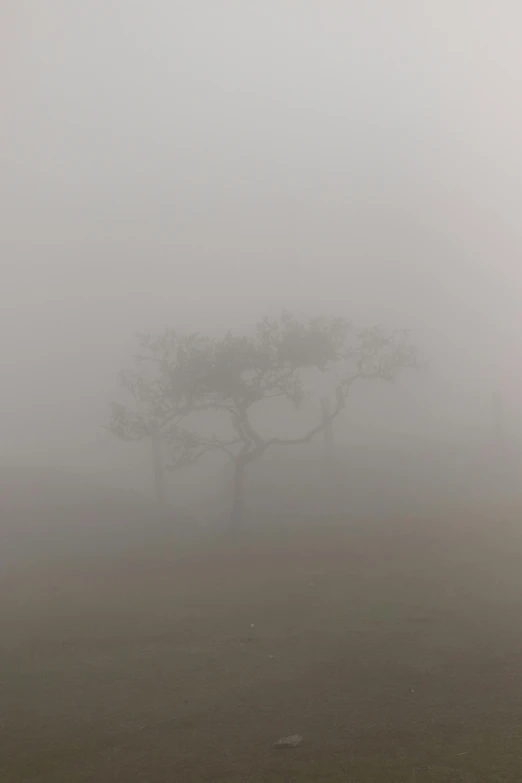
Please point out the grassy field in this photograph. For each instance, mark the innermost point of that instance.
(395, 650)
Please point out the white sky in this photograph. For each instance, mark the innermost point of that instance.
(201, 163)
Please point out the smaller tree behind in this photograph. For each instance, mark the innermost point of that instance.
(177, 377)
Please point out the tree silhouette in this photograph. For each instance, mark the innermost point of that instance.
(176, 377)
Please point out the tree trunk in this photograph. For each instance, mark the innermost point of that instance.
(330, 464)
(329, 445)
(238, 497)
(500, 431)
(157, 466)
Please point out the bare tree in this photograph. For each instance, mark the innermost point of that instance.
(176, 377)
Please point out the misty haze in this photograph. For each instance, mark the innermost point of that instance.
(261, 454)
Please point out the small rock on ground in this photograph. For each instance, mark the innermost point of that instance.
(288, 742)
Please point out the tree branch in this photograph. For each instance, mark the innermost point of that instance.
(242, 419)
(311, 433)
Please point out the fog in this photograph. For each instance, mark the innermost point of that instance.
(202, 164)
(356, 599)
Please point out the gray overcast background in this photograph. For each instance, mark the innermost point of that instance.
(201, 163)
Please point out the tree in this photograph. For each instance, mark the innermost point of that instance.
(177, 377)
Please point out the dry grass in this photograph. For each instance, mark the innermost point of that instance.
(395, 651)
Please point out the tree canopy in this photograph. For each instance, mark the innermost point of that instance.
(175, 376)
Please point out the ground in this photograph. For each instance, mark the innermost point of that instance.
(394, 650)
